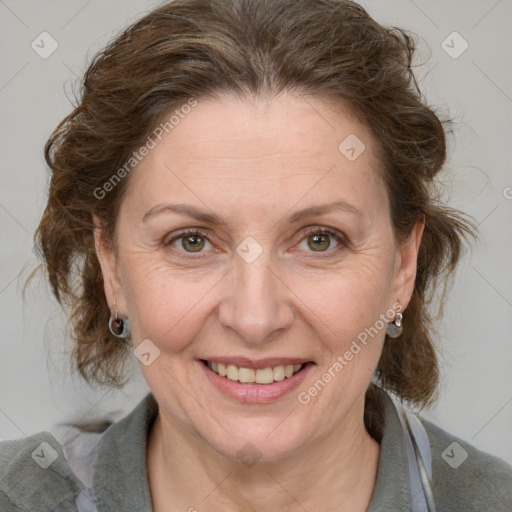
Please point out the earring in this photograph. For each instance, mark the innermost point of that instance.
(118, 327)
(394, 329)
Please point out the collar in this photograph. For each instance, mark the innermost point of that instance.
(120, 480)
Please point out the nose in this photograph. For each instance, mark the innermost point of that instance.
(256, 303)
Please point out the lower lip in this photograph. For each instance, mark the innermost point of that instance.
(256, 393)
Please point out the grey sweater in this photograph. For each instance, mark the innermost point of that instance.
(35, 475)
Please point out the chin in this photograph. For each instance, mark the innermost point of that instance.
(250, 445)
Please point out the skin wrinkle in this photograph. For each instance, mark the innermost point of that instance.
(311, 307)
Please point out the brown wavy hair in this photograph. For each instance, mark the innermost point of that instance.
(328, 49)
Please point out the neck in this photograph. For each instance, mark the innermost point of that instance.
(337, 472)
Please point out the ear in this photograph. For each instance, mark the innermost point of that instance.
(109, 269)
(406, 265)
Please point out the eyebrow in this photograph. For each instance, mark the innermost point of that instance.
(214, 219)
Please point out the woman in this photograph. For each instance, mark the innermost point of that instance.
(247, 190)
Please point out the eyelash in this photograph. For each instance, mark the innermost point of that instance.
(310, 231)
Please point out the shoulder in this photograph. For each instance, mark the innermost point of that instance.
(35, 475)
(466, 478)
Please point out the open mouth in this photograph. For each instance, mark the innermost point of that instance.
(255, 376)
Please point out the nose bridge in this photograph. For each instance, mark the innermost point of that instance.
(255, 303)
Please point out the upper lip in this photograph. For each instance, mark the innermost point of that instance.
(246, 362)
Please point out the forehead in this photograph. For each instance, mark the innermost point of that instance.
(267, 153)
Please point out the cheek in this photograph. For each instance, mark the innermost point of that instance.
(345, 304)
(349, 306)
(361, 279)
(352, 342)
(165, 305)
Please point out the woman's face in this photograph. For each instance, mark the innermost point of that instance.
(257, 278)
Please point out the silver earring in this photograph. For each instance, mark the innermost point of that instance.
(394, 329)
(119, 327)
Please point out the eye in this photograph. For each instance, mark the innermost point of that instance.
(319, 239)
(190, 241)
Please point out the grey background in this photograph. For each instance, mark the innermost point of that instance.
(36, 390)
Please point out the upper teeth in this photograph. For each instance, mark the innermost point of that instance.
(259, 376)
